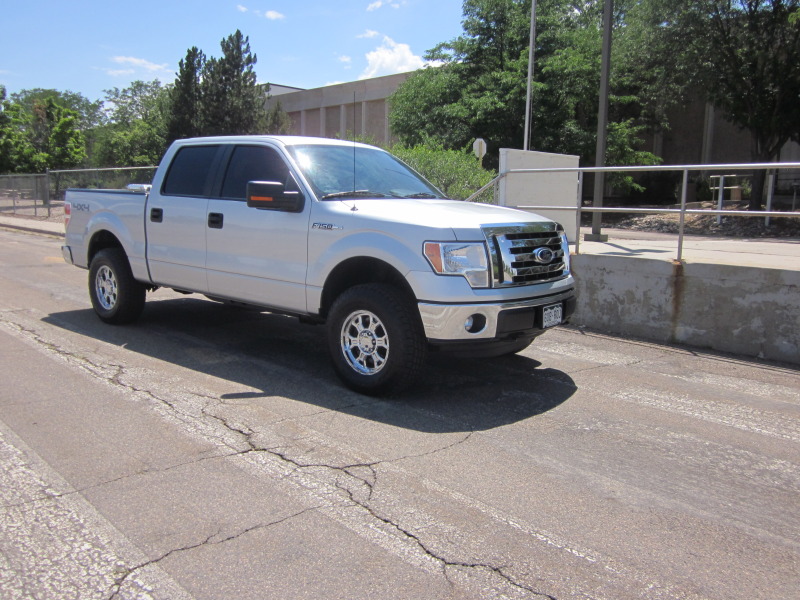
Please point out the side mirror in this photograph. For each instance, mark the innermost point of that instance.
(272, 195)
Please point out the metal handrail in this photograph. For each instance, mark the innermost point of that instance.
(682, 211)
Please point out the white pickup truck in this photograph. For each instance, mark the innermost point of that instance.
(332, 232)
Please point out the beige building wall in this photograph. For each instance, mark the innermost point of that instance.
(340, 110)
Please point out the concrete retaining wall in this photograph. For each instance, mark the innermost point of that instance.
(744, 310)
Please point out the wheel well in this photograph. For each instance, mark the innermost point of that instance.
(100, 241)
(356, 271)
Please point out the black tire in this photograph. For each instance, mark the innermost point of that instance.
(116, 296)
(375, 339)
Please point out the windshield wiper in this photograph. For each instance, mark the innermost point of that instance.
(353, 194)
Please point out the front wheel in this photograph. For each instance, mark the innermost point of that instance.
(375, 339)
(116, 296)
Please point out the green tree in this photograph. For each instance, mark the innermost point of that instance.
(480, 89)
(13, 144)
(232, 103)
(749, 54)
(185, 120)
(136, 132)
(65, 144)
(427, 106)
(741, 55)
(276, 120)
(38, 135)
(90, 113)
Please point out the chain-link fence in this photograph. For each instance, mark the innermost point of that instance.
(25, 195)
(40, 195)
(109, 179)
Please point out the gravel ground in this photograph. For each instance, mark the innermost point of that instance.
(739, 227)
(735, 227)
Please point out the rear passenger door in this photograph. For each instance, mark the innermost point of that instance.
(176, 219)
(256, 255)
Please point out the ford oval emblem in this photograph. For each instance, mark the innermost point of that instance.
(543, 255)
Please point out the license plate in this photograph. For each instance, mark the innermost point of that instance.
(551, 316)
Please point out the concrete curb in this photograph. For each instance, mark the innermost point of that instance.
(41, 227)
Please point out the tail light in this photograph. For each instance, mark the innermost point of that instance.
(67, 212)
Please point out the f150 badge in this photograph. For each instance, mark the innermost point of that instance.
(328, 226)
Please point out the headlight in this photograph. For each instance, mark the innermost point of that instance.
(565, 248)
(467, 259)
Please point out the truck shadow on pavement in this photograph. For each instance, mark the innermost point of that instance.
(264, 356)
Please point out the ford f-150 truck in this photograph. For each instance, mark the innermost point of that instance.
(332, 232)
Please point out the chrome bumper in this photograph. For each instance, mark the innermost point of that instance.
(66, 252)
(448, 321)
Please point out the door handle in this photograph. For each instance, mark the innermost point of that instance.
(215, 220)
(156, 215)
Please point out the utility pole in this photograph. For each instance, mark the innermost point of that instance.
(602, 125)
(531, 47)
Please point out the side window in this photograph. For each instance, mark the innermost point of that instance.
(189, 171)
(252, 163)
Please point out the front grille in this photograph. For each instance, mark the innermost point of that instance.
(516, 255)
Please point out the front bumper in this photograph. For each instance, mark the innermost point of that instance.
(490, 321)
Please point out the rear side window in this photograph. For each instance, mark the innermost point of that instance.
(189, 171)
(252, 163)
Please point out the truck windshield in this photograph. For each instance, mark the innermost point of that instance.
(342, 172)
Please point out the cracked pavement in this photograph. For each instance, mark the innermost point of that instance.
(209, 452)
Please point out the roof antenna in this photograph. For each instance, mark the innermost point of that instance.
(354, 140)
(354, 148)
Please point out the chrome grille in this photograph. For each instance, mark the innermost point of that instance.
(525, 254)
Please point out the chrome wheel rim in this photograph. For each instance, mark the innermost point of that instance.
(105, 287)
(364, 342)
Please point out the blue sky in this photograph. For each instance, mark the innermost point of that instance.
(90, 46)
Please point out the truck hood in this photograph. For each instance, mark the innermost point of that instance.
(464, 218)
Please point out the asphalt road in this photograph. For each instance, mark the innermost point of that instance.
(209, 452)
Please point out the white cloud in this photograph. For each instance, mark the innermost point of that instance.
(381, 3)
(369, 33)
(140, 63)
(390, 58)
(272, 15)
(345, 59)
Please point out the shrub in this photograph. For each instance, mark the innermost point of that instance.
(456, 173)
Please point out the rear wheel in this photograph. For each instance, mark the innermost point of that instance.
(116, 296)
(375, 339)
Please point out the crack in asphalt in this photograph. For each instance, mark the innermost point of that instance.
(131, 571)
(370, 482)
(367, 482)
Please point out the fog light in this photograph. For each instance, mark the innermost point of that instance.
(475, 323)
